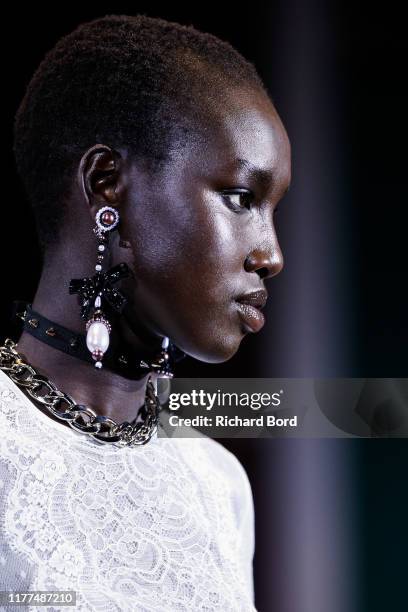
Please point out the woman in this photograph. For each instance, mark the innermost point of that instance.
(154, 160)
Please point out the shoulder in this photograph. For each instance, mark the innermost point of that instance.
(240, 500)
(230, 468)
(222, 474)
(214, 454)
(225, 461)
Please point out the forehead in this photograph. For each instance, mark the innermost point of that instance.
(240, 129)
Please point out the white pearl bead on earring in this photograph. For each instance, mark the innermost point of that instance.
(165, 343)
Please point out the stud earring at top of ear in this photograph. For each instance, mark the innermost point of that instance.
(93, 291)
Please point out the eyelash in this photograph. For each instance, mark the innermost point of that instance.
(226, 193)
(238, 209)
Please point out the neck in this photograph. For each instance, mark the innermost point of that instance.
(108, 393)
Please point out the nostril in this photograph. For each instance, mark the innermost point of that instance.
(262, 272)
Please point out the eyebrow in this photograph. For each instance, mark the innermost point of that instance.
(264, 177)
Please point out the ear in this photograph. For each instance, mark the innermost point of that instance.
(99, 177)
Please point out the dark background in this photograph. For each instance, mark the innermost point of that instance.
(330, 514)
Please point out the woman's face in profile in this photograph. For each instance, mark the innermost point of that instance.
(202, 229)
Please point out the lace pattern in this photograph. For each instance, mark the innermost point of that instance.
(164, 527)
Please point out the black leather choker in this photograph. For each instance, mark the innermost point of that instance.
(122, 360)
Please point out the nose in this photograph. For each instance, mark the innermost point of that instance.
(265, 263)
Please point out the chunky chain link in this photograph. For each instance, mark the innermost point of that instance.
(81, 418)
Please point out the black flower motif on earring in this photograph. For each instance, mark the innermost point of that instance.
(101, 284)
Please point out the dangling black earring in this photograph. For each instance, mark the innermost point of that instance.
(94, 291)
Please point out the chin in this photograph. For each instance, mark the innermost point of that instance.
(220, 350)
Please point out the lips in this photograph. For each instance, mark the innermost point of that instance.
(249, 309)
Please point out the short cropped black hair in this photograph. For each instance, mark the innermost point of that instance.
(119, 80)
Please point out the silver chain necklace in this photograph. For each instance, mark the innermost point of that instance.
(81, 418)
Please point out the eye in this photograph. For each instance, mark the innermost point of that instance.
(238, 199)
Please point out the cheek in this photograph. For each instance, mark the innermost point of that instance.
(186, 278)
(193, 245)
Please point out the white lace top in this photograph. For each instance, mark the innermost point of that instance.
(164, 527)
